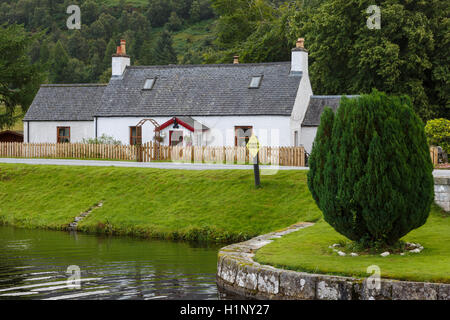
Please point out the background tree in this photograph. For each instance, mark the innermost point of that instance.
(401, 57)
(195, 11)
(19, 79)
(60, 61)
(163, 52)
(104, 23)
(174, 23)
(408, 55)
(370, 169)
(158, 12)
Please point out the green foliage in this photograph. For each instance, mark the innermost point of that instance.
(195, 11)
(240, 27)
(84, 55)
(407, 55)
(163, 53)
(371, 172)
(19, 79)
(174, 23)
(158, 12)
(68, 70)
(438, 133)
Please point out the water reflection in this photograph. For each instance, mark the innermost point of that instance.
(33, 265)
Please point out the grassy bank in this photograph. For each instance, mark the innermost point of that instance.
(307, 250)
(215, 205)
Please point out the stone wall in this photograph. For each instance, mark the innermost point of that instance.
(237, 273)
(442, 191)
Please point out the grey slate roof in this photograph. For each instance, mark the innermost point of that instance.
(74, 102)
(316, 106)
(201, 90)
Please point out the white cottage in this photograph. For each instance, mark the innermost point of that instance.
(209, 105)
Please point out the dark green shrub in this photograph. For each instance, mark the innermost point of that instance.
(370, 169)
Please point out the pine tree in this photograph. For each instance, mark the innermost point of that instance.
(96, 68)
(59, 64)
(372, 177)
(146, 53)
(163, 52)
(110, 50)
(195, 12)
(174, 23)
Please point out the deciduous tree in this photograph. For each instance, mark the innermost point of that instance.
(19, 79)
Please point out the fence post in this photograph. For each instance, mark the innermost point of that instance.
(434, 155)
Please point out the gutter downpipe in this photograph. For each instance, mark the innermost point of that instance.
(96, 119)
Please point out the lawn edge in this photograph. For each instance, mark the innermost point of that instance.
(238, 273)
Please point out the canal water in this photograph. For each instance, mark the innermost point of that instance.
(34, 264)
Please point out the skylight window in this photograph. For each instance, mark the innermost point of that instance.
(256, 81)
(148, 85)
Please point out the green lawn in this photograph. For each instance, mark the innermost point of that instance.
(307, 250)
(214, 205)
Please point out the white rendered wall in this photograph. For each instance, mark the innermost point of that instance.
(25, 132)
(270, 130)
(307, 136)
(45, 131)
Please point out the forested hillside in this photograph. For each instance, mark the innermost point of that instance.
(149, 27)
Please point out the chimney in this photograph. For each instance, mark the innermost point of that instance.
(236, 60)
(122, 47)
(299, 60)
(120, 60)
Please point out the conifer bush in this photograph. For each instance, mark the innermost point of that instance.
(370, 169)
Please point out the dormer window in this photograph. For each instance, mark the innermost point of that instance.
(148, 85)
(255, 82)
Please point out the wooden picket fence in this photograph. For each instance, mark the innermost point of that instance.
(147, 152)
(285, 156)
(67, 150)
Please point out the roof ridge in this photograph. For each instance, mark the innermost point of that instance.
(217, 65)
(334, 96)
(75, 85)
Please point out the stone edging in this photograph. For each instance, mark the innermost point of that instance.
(442, 191)
(237, 273)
